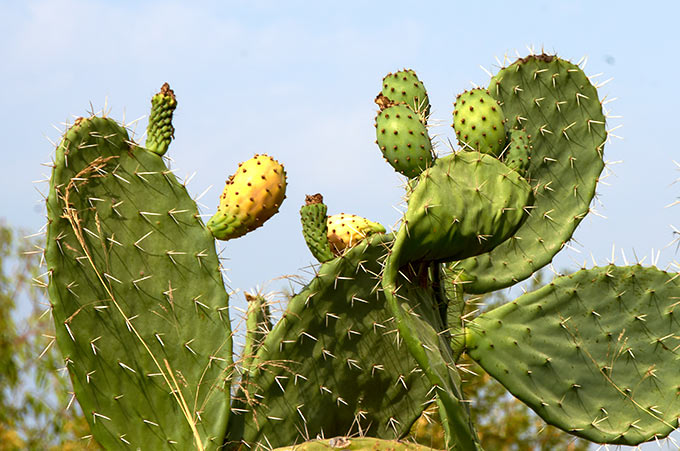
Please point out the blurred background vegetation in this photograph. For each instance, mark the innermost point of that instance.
(36, 409)
(38, 412)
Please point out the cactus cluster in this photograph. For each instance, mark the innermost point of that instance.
(373, 339)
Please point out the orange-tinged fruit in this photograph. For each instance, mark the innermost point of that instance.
(345, 231)
(251, 196)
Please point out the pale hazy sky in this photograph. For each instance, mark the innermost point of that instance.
(297, 80)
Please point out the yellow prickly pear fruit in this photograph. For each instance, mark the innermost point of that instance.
(345, 231)
(252, 195)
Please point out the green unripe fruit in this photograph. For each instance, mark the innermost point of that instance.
(160, 131)
(315, 227)
(403, 140)
(405, 87)
(518, 152)
(479, 122)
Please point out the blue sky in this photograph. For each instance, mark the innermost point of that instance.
(297, 80)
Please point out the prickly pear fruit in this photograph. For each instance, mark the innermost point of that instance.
(345, 231)
(403, 140)
(251, 196)
(315, 227)
(405, 87)
(479, 122)
(518, 152)
(160, 131)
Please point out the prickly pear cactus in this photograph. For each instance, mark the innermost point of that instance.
(518, 153)
(345, 231)
(334, 363)
(251, 196)
(479, 122)
(161, 132)
(404, 86)
(258, 325)
(403, 140)
(558, 106)
(315, 227)
(593, 353)
(137, 296)
(465, 205)
(142, 314)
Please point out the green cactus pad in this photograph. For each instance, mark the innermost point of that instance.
(419, 320)
(518, 153)
(137, 296)
(160, 131)
(315, 227)
(464, 205)
(593, 353)
(332, 364)
(403, 140)
(479, 122)
(356, 443)
(404, 87)
(558, 106)
(258, 325)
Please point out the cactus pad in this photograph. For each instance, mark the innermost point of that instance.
(315, 227)
(345, 231)
(258, 325)
(251, 196)
(466, 204)
(405, 87)
(593, 353)
(403, 140)
(479, 122)
(559, 107)
(137, 296)
(333, 363)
